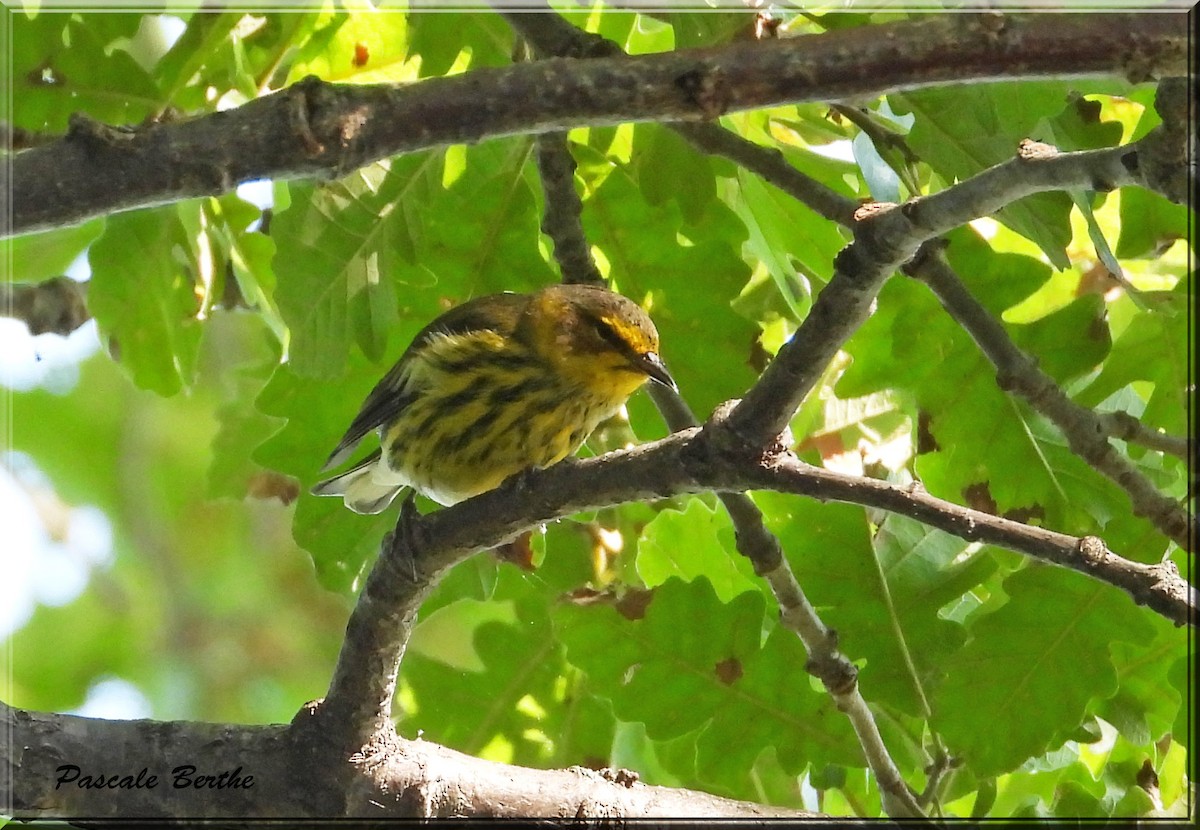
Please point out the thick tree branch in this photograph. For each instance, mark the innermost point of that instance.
(317, 129)
(699, 460)
(358, 704)
(290, 777)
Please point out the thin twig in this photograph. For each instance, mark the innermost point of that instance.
(1124, 426)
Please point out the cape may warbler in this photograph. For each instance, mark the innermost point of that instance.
(493, 387)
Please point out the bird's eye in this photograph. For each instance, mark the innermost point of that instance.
(609, 335)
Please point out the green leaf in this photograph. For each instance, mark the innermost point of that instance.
(52, 80)
(784, 233)
(43, 256)
(1069, 342)
(883, 605)
(697, 542)
(674, 686)
(667, 167)
(797, 246)
(201, 45)
(1074, 801)
(1033, 666)
(509, 703)
(1148, 700)
(249, 254)
(1079, 126)
(961, 132)
(440, 40)
(985, 799)
(480, 229)
(341, 542)
(358, 45)
(1154, 347)
(343, 249)
(252, 354)
(785, 712)
(694, 662)
(708, 27)
(1149, 222)
(144, 299)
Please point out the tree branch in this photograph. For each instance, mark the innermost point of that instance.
(560, 219)
(705, 459)
(317, 129)
(1085, 431)
(271, 772)
(1124, 426)
(888, 236)
(302, 766)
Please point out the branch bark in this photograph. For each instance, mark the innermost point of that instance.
(279, 772)
(314, 129)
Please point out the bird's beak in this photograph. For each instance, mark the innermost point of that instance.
(652, 365)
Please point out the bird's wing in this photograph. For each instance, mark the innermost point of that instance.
(498, 312)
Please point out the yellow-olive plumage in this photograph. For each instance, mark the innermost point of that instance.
(495, 386)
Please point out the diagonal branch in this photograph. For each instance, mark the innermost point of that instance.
(888, 236)
(315, 129)
(1085, 431)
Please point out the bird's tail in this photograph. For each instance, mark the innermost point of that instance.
(358, 487)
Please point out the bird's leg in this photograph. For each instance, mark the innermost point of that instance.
(404, 542)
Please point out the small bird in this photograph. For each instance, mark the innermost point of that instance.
(493, 387)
